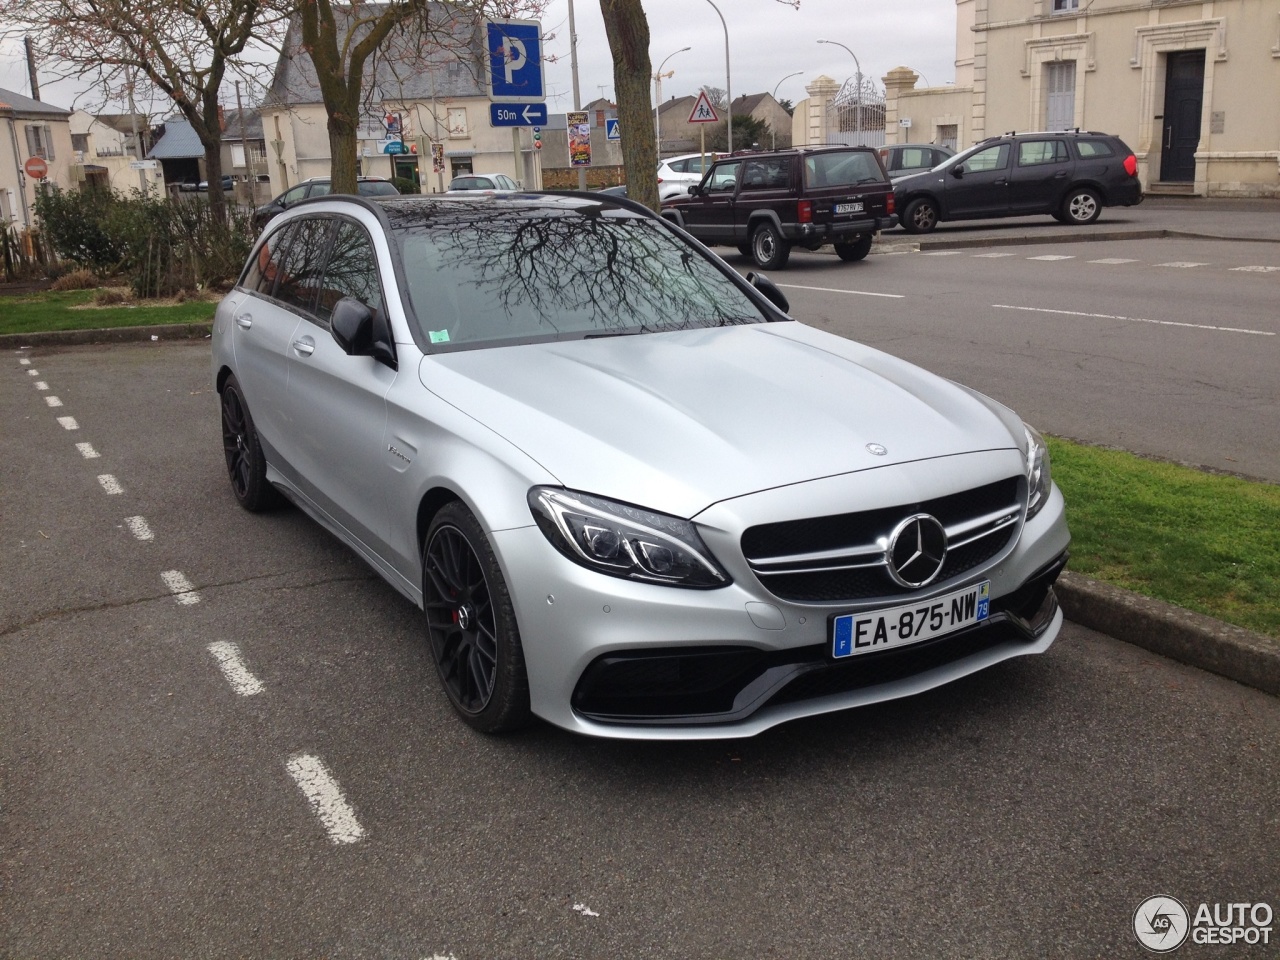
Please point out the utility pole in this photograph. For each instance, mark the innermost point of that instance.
(577, 95)
(244, 148)
(137, 140)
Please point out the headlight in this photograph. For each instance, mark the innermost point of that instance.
(1038, 482)
(625, 541)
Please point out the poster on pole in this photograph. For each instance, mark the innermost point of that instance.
(579, 129)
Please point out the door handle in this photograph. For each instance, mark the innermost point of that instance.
(305, 346)
(1002, 182)
(244, 321)
(1168, 137)
(1060, 175)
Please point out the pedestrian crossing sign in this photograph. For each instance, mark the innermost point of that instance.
(703, 111)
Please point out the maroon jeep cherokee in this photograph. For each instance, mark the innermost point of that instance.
(765, 203)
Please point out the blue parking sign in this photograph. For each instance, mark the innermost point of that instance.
(515, 60)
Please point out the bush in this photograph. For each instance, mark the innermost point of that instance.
(110, 296)
(161, 245)
(405, 185)
(80, 279)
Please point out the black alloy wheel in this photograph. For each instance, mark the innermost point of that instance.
(471, 624)
(856, 250)
(921, 215)
(246, 465)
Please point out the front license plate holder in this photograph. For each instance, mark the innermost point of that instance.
(909, 623)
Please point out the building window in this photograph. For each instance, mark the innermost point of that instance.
(1060, 95)
(80, 142)
(948, 135)
(1065, 6)
(39, 141)
(458, 122)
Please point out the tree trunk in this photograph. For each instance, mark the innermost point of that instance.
(628, 30)
(343, 147)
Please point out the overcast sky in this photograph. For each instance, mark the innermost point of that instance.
(767, 41)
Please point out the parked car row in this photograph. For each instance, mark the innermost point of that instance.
(319, 187)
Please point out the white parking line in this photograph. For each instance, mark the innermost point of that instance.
(992, 256)
(41, 385)
(183, 590)
(242, 681)
(1163, 323)
(940, 253)
(1114, 260)
(53, 401)
(1053, 256)
(25, 362)
(33, 372)
(856, 293)
(68, 423)
(139, 527)
(110, 484)
(325, 797)
(86, 449)
(1256, 269)
(1183, 264)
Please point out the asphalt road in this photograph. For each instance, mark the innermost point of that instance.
(1166, 347)
(153, 799)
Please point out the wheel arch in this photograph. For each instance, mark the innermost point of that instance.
(432, 502)
(755, 218)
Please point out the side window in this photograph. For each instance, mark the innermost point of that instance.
(1035, 152)
(320, 189)
(264, 269)
(764, 175)
(304, 264)
(916, 157)
(680, 166)
(1089, 149)
(992, 158)
(723, 176)
(293, 195)
(352, 271)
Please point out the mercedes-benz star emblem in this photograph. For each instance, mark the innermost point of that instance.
(876, 450)
(917, 547)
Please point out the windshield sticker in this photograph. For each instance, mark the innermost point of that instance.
(439, 336)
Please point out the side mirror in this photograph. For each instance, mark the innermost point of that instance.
(958, 171)
(357, 332)
(695, 191)
(769, 290)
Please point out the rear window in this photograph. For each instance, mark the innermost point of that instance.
(1094, 148)
(841, 169)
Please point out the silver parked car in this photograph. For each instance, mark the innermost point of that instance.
(631, 495)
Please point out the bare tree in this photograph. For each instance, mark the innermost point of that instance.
(627, 28)
(181, 48)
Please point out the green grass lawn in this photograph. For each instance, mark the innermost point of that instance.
(1202, 541)
(48, 310)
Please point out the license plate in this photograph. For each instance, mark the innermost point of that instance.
(855, 633)
(848, 208)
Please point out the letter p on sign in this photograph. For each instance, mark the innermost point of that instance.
(516, 56)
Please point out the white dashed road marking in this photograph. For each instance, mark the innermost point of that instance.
(68, 423)
(33, 372)
(183, 590)
(1183, 264)
(325, 797)
(1053, 256)
(242, 681)
(110, 484)
(992, 256)
(1114, 260)
(41, 385)
(86, 450)
(25, 362)
(856, 293)
(139, 527)
(1256, 269)
(53, 401)
(1108, 316)
(940, 253)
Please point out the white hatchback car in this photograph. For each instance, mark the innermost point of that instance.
(629, 493)
(677, 174)
(482, 183)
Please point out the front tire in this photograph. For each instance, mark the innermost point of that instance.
(246, 464)
(769, 249)
(857, 250)
(921, 215)
(1081, 206)
(471, 624)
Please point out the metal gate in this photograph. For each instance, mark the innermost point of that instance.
(858, 114)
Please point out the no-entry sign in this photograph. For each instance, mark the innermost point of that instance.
(36, 168)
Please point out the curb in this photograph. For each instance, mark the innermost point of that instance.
(174, 331)
(1184, 635)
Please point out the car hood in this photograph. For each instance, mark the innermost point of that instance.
(678, 421)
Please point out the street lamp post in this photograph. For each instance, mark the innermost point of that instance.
(858, 128)
(657, 97)
(728, 88)
(774, 144)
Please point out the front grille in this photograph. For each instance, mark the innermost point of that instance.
(840, 558)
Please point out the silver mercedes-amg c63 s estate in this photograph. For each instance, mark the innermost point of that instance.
(632, 496)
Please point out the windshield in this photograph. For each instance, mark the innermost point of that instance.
(481, 275)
